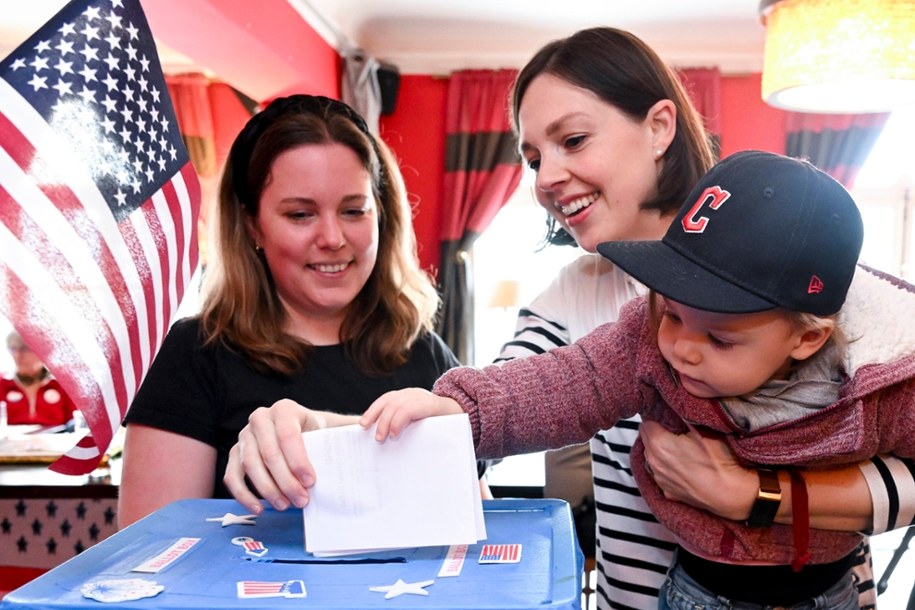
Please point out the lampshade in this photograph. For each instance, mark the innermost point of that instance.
(839, 56)
(504, 294)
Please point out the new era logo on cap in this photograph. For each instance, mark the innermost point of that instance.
(759, 231)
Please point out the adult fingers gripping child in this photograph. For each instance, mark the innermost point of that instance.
(394, 411)
(720, 473)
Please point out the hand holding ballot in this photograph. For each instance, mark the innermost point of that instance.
(420, 488)
(270, 453)
(394, 411)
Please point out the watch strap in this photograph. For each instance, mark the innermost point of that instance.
(768, 499)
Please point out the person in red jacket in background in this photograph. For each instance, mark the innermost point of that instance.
(32, 395)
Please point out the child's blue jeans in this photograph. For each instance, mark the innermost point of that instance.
(681, 592)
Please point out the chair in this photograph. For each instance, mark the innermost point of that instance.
(587, 591)
(894, 560)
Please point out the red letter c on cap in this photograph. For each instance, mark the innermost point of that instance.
(692, 224)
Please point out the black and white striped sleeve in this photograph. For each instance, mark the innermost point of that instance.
(534, 334)
(891, 482)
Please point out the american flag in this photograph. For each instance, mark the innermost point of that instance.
(98, 208)
(259, 588)
(500, 553)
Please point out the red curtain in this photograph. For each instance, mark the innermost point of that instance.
(210, 114)
(482, 170)
(195, 119)
(704, 88)
(838, 144)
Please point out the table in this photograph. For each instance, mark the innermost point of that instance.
(47, 517)
(206, 575)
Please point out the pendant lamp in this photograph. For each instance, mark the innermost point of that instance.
(839, 56)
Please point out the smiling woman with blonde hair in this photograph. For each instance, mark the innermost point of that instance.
(315, 297)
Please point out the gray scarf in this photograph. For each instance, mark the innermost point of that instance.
(813, 385)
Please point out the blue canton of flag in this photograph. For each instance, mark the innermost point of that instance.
(98, 208)
(91, 78)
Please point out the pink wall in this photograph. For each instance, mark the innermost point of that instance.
(746, 121)
(264, 48)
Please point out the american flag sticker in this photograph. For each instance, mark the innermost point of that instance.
(255, 548)
(259, 588)
(500, 553)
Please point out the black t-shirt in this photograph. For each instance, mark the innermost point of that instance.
(208, 392)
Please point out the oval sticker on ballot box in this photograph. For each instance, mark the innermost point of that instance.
(120, 590)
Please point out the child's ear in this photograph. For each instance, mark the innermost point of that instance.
(811, 340)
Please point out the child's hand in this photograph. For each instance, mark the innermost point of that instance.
(395, 410)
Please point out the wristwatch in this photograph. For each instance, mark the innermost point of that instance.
(767, 501)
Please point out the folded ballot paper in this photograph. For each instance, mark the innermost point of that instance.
(420, 489)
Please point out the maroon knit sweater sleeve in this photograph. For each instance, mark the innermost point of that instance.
(558, 398)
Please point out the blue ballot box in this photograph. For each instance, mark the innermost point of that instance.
(200, 563)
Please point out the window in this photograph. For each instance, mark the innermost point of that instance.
(510, 268)
(884, 190)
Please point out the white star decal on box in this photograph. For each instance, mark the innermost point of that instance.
(230, 519)
(400, 587)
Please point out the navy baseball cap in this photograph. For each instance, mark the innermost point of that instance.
(758, 231)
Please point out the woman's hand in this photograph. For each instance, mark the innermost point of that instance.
(271, 453)
(394, 411)
(700, 470)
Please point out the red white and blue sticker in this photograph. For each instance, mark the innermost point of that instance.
(252, 547)
(259, 588)
(500, 553)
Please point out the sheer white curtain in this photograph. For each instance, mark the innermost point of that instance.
(360, 86)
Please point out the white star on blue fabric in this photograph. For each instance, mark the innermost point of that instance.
(230, 519)
(400, 587)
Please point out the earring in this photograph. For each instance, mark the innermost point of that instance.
(258, 249)
(658, 153)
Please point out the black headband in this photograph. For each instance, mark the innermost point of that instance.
(318, 105)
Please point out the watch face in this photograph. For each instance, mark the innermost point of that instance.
(768, 483)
